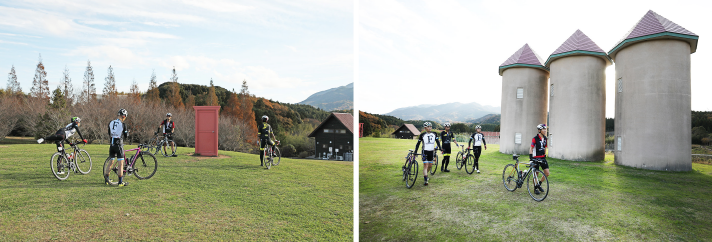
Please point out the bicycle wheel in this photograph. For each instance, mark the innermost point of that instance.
(60, 166)
(83, 161)
(509, 177)
(145, 166)
(112, 170)
(158, 149)
(173, 148)
(405, 165)
(470, 164)
(165, 148)
(535, 177)
(267, 158)
(277, 157)
(434, 168)
(152, 145)
(411, 173)
(458, 160)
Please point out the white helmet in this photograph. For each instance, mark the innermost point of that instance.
(169, 115)
(447, 125)
(541, 126)
(265, 118)
(123, 112)
(478, 127)
(427, 124)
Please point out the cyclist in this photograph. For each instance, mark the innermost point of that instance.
(64, 133)
(479, 139)
(446, 136)
(117, 131)
(429, 139)
(264, 132)
(538, 151)
(168, 127)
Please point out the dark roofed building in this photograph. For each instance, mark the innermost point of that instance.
(333, 138)
(406, 131)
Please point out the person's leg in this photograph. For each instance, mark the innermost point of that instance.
(446, 157)
(478, 151)
(120, 159)
(262, 149)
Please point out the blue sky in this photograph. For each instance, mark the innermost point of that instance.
(441, 51)
(286, 50)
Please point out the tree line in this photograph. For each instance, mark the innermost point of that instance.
(378, 125)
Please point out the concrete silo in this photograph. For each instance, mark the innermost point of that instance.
(524, 100)
(653, 104)
(577, 100)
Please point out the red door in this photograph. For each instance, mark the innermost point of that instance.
(206, 130)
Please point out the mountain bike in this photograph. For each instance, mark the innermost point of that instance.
(268, 157)
(514, 178)
(170, 144)
(459, 160)
(78, 161)
(142, 164)
(469, 162)
(410, 169)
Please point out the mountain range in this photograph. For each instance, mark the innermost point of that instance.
(449, 112)
(338, 98)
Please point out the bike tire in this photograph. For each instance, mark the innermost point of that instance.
(434, 167)
(278, 158)
(267, 158)
(412, 174)
(470, 164)
(145, 165)
(164, 150)
(458, 160)
(153, 145)
(405, 165)
(112, 170)
(510, 177)
(537, 174)
(60, 166)
(83, 162)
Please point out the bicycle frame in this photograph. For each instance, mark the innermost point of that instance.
(531, 167)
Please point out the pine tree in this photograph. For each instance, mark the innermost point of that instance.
(135, 94)
(174, 97)
(68, 88)
(40, 86)
(232, 108)
(152, 95)
(59, 101)
(13, 86)
(190, 102)
(88, 87)
(247, 114)
(110, 84)
(212, 99)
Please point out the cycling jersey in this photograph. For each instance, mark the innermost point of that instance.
(539, 145)
(168, 126)
(447, 137)
(117, 131)
(264, 131)
(429, 140)
(479, 139)
(70, 129)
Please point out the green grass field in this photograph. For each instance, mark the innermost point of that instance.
(190, 198)
(586, 201)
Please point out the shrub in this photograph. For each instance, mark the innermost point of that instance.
(303, 154)
(288, 151)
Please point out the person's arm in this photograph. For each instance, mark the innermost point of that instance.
(174, 127)
(420, 138)
(484, 142)
(79, 133)
(531, 148)
(454, 139)
(469, 143)
(437, 141)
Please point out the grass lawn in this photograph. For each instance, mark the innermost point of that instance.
(190, 198)
(586, 201)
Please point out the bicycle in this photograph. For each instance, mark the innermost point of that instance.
(152, 145)
(159, 146)
(434, 168)
(459, 161)
(78, 161)
(410, 169)
(143, 164)
(513, 178)
(268, 156)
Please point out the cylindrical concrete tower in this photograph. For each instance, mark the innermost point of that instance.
(653, 104)
(577, 100)
(524, 100)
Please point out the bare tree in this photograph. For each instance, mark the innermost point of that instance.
(135, 94)
(40, 85)
(68, 88)
(152, 95)
(13, 86)
(89, 88)
(110, 84)
(9, 114)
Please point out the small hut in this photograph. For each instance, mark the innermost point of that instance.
(333, 138)
(406, 131)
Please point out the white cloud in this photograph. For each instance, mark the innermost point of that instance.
(160, 24)
(219, 6)
(12, 42)
(110, 54)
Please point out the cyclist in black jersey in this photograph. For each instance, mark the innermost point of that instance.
(429, 139)
(168, 127)
(537, 152)
(65, 132)
(265, 134)
(446, 136)
(117, 132)
(479, 140)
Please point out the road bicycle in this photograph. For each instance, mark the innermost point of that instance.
(410, 169)
(142, 164)
(78, 161)
(268, 157)
(514, 178)
(155, 146)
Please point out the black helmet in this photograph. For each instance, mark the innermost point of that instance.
(123, 112)
(541, 126)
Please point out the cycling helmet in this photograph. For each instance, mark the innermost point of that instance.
(169, 115)
(123, 112)
(478, 127)
(541, 126)
(427, 124)
(265, 118)
(447, 125)
(76, 120)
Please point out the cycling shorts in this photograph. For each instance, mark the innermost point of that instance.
(265, 141)
(428, 156)
(447, 149)
(116, 150)
(169, 136)
(542, 163)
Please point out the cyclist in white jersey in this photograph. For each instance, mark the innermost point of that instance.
(479, 140)
(429, 140)
(117, 131)
(64, 133)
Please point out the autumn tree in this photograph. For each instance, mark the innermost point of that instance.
(13, 86)
(40, 86)
(110, 84)
(190, 102)
(152, 95)
(135, 94)
(88, 87)
(67, 87)
(247, 115)
(174, 97)
(232, 108)
(212, 98)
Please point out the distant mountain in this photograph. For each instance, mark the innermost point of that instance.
(338, 98)
(453, 112)
(487, 119)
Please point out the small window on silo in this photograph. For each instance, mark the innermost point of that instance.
(518, 138)
(620, 84)
(520, 93)
(551, 90)
(619, 143)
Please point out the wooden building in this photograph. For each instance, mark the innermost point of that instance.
(406, 131)
(334, 137)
